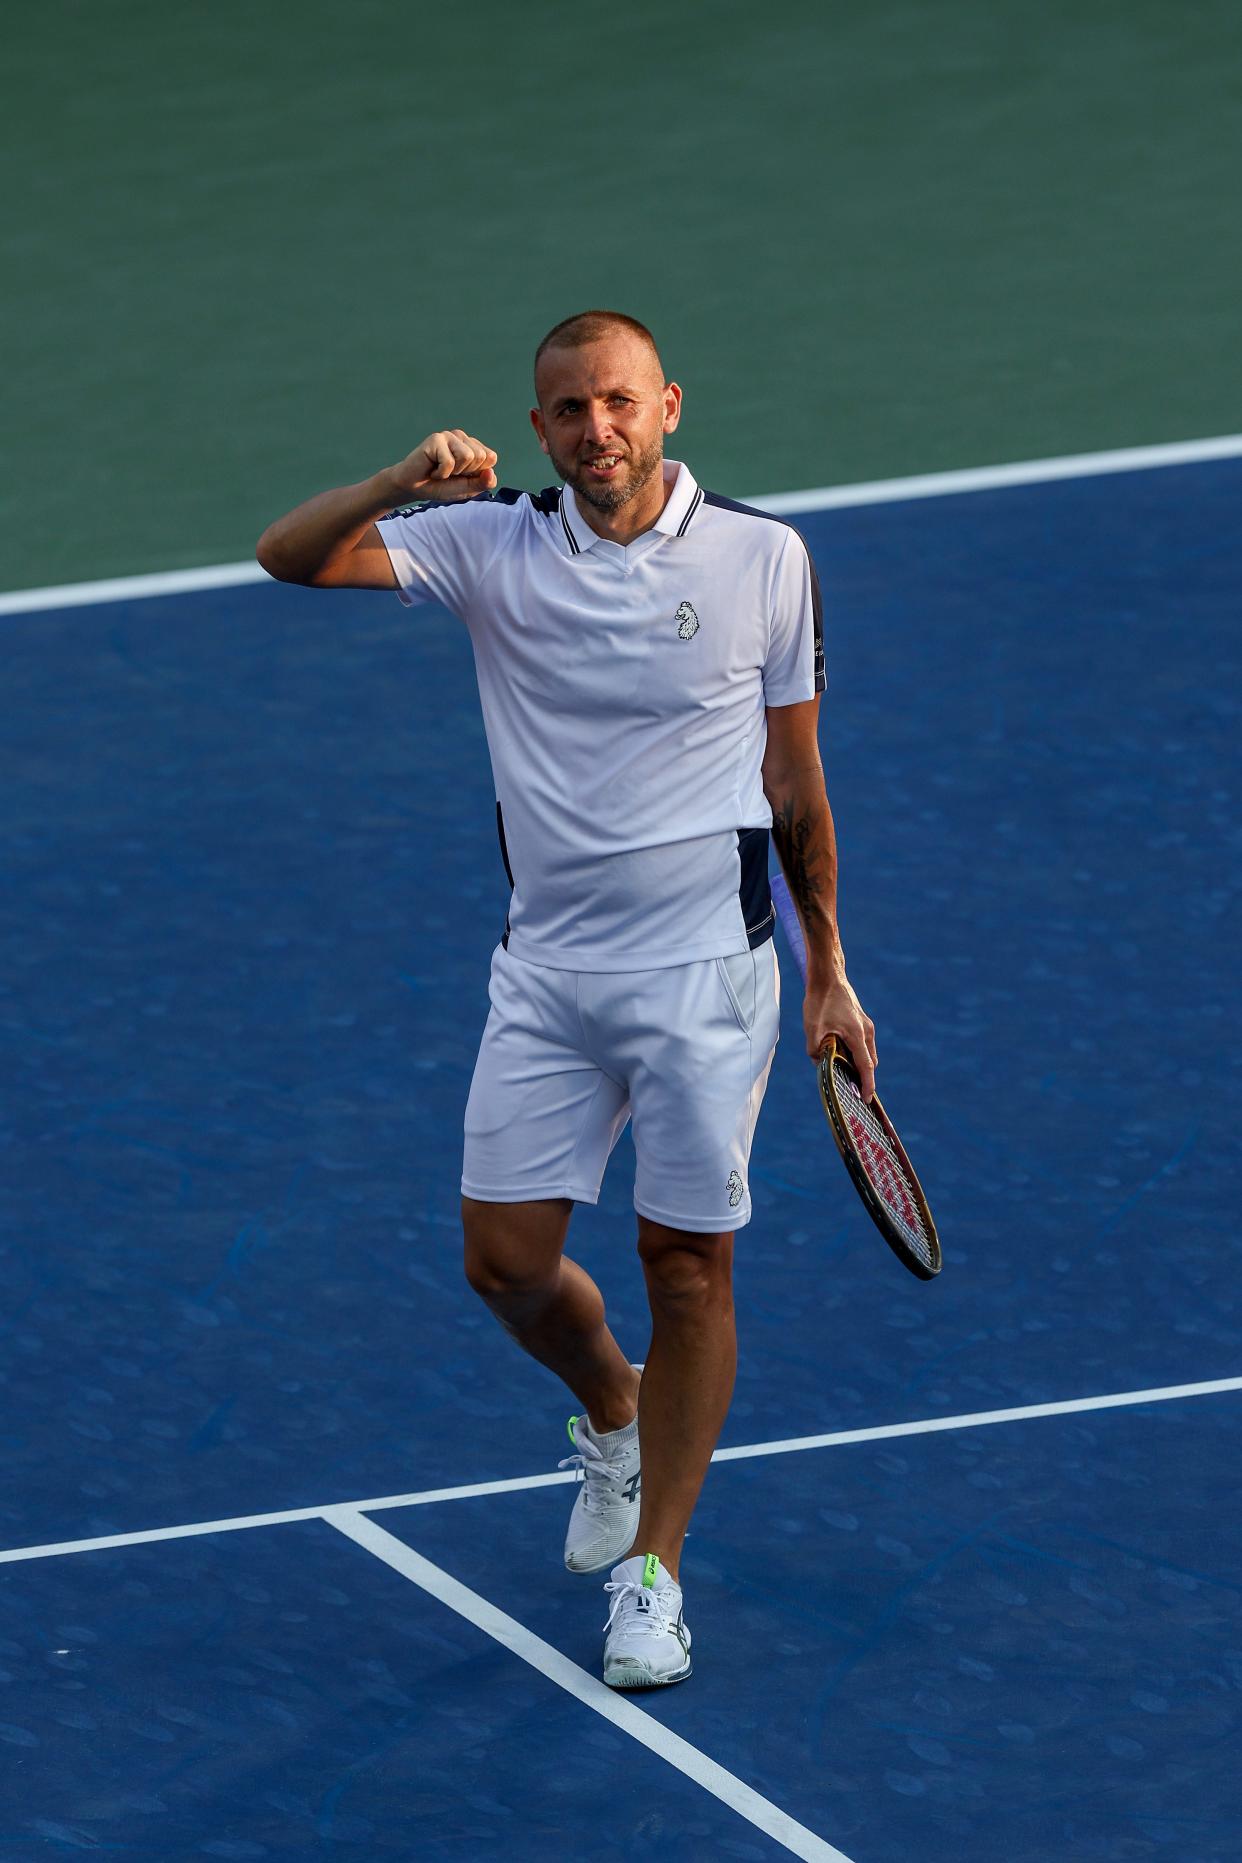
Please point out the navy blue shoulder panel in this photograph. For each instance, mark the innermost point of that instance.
(405, 511)
(546, 501)
(817, 600)
(731, 504)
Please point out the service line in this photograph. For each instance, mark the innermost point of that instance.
(425, 1497)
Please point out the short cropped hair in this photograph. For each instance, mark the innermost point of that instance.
(588, 327)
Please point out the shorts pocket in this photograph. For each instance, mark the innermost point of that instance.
(737, 974)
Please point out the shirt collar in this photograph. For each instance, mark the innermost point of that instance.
(674, 521)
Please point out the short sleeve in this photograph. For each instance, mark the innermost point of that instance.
(439, 553)
(794, 668)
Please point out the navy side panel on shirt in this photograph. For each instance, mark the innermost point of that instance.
(754, 892)
(504, 855)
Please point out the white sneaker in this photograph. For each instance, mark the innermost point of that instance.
(648, 1645)
(605, 1515)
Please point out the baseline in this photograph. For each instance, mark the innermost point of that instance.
(923, 1426)
(996, 478)
(623, 1714)
(820, 498)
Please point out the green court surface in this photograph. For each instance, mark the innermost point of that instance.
(255, 249)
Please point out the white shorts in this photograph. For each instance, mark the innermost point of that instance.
(568, 1056)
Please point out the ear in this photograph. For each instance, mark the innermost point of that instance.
(536, 421)
(672, 407)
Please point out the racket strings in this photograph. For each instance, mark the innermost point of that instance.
(883, 1167)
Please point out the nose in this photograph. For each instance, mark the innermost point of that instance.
(598, 428)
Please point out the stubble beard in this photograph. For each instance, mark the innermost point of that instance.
(612, 497)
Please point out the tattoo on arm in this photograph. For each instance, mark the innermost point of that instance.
(799, 856)
(806, 845)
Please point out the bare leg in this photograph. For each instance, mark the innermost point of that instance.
(688, 1378)
(515, 1262)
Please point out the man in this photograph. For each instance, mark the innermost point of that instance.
(649, 660)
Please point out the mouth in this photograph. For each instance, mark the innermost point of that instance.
(603, 465)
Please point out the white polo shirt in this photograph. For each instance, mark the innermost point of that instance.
(624, 690)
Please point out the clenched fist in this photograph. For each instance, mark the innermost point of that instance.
(446, 468)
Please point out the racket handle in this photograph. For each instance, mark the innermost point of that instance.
(787, 913)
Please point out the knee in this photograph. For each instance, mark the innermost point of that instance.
(687, 1274)
(495, 1275)
(500, 1263)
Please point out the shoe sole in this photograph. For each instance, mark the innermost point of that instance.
(633, 1675)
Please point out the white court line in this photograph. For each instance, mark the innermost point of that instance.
(650, 1733)
(996, 478)
(132, 588)
(929, 1426)
(821, 498)
(238, 1523)
(923, 1426)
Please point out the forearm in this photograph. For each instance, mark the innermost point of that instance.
(806, 841)
(308, 542)
(806, 845)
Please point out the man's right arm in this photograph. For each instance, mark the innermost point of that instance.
(331, 541)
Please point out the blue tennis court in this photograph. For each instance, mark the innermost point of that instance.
(251, 891)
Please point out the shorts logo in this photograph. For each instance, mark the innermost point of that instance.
(734, 1188)
(687, 622)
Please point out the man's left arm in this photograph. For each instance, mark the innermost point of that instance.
(806, 843)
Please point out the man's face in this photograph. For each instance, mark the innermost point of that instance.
(602, 416)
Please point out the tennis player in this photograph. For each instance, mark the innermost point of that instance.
(649, 658)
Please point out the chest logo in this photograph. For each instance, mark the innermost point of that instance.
(687, 622)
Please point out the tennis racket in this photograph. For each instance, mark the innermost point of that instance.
(874, 1155)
